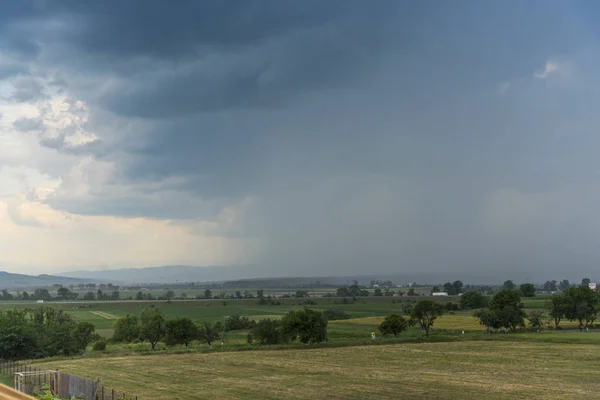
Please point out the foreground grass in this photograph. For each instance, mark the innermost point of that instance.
(490, 369)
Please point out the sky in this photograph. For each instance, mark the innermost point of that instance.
(308, 137)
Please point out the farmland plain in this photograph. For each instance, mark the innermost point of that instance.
(465, 369)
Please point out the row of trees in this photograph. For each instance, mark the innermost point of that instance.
(577, 303)
(505, 309)
(423, 315)
(307, 326)
(42, 332)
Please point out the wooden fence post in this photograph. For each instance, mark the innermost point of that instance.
(113, 394)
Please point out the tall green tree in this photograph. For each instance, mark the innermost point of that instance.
(424, 314)
(180, 331)
(564, 285)
(472, 299)
(126, 329)
(559, 308)
(507, 306)
(449, 288)
(153, 329)
(509, 285)
(527, 289)
(581, 304)
(585, 281)
(536, 319)
(149, 312)
(393, 324)
(83, 333)
(208, 333)
(308, 325)
(458, 287)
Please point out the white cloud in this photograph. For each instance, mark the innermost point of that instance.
(550, 68)
(36, 167)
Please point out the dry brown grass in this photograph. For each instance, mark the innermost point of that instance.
(435, 370)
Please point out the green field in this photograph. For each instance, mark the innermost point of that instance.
(350, 365)
(468, 369)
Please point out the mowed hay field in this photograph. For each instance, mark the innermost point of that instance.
(428, 370)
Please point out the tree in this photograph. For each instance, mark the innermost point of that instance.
(6, 295)
(64, 294)
(550, 286)
(236, 323)
(207, 333)
(139, 295)
(148, 313)
(115, 295)
(425, 313)
(393, 324)
(527, 290)
(508, 308)
(581, 304)
(153, 329)
(126, 329)
(564, 285)
(536, 319)
(89, 296)
(83, 334)
(25, 296)
(457, 286)
(207, 294)
(435, 289)
(170, 295)
(308, 325)
(377, 292)
(559, 308)
(260, 293)
(180, 331)
(509, 285)
(267, 331)
(449, 288)
(411, 292)
(488, 319)
(472, 299)
(585, 281)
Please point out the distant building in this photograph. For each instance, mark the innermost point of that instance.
(40, 301)
(592, 286)
(439, 294)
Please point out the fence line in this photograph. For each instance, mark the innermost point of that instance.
(60, 383)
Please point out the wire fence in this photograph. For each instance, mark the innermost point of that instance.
(28, 379)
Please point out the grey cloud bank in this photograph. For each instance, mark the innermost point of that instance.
(349, 137)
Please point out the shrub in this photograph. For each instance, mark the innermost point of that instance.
(236, 323)
(100, 345)
(267, 332)
(335, 314)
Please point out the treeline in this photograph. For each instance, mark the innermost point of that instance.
(306, 326)
(505, 309)
(42, 332)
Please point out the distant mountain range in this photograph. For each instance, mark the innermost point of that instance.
(182, 273)
(20, 281)
(167, 274)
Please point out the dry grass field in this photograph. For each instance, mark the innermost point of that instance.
(466, 370)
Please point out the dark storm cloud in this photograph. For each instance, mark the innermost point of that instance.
(371, 135)
(27, 89)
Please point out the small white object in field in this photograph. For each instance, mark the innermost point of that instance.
(463, 332)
